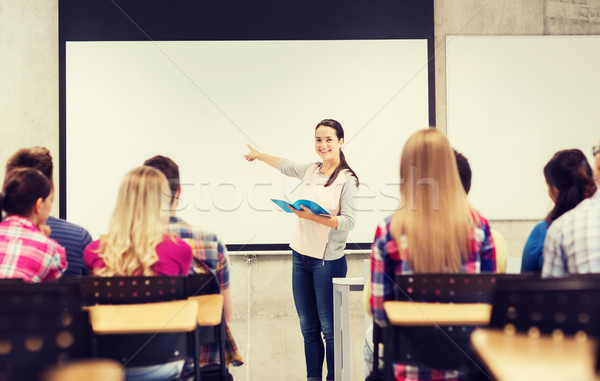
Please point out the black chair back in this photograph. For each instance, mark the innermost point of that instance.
(548, 306)
(40, 325)
(435, 346)
(202, 284)
(131, 289)
(451, 288)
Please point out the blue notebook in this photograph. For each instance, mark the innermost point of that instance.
(316, 208)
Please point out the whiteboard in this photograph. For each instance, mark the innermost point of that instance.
(512, 103)
(201, 102)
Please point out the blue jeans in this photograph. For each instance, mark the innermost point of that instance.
(313, 296)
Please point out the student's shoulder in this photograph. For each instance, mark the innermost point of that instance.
(66, 227)
(47, 244)
(541, 227)
(480, 220)
(187, 231)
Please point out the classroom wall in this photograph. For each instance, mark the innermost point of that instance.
(265, 324)
(507, 17)
(29, 78)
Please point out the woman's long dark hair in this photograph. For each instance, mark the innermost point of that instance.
(339, 133)
(21, 190)
(570, 172)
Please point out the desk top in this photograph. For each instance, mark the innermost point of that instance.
(429, 314)
(519, 357)
(176, 316)
(210, 309)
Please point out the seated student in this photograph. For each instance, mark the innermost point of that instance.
(136, 244)
(572, 243)
(435, 230)
(570, 180)
(210, 256)
(464, 171)
(72, 237)
(25, 250)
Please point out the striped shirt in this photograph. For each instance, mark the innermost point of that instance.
(572, 243)
(27, 253)
(389, 259)
(74, 239)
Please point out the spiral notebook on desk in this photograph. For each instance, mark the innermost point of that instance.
(313, 206)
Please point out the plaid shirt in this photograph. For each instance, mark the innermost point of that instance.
(27, 253)
(210, 256)
(572, 243)
(389, 260)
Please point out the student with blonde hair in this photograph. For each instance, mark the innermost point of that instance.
(434, 230)
(137, 243)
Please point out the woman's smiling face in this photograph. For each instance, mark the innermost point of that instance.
(327, 143)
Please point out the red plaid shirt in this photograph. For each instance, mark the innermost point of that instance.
(27, 253)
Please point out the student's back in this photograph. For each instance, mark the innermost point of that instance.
(570, 180)
(25, 250)
(72, 237)
(435, 230)
(210, 256)
(137, 244)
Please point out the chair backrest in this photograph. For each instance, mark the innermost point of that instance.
(139, 349)
(436, 346)
(202, 284)
(548, 306)
(40, 325)
(131, 289)
(39, 296)
(451, 288)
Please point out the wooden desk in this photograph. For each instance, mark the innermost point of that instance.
(519, 357)
(210, 309)
(89, 370)
(429, 314)
(175, 316)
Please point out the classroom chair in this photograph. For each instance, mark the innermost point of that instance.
(41, 325)
(432, 318)
(141, 320)
(542, 329)
(562, 306)
(205, 289)
(195, 297)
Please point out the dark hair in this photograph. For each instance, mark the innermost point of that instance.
(34, 157)
(570, 172)
(21, 190)
(339, 133)
(464, 170)
(169, 169)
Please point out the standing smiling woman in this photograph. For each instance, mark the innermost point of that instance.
(318, 241)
